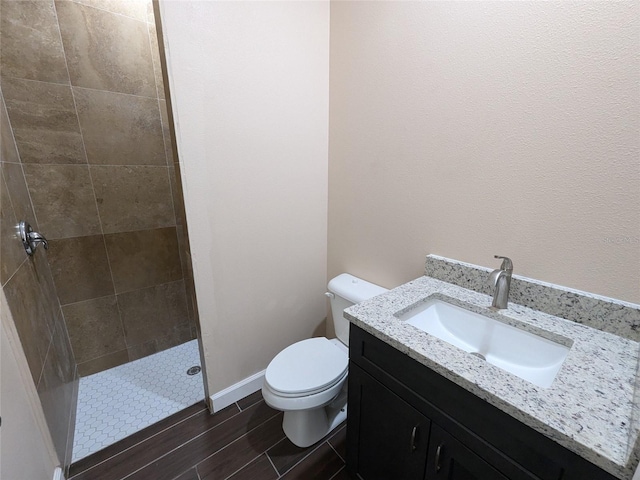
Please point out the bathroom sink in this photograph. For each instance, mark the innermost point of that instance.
(524, 354)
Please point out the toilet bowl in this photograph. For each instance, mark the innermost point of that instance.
(308, 380)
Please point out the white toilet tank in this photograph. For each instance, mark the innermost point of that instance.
(348, 290)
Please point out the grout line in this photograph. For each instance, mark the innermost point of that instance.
(44, 362)
(254, 458)
(24, 177)
(237, 440)
(113, 233)
(80, 2)
(108, 164)
(302, 459)
(187, 442)
(333, 448)
(41, 81)
(111, 91)
(340, 470)
(248, 463)
(16, 270)
(271, 462)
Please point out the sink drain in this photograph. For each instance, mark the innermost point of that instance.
(194, 370)
(479, 355)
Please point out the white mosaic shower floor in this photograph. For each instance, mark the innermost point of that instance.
(120, 401)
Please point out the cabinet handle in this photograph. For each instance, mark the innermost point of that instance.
(438, 452)
(412, 441)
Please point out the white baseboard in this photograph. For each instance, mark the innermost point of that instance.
(58, 474)
(238, 391)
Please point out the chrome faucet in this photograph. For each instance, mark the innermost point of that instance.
(501, 280)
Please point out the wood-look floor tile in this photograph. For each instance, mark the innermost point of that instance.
(259, 469)
(342, 475)
(244, 450)
(138, 437)
(194, 445)
(285, 455)
(249, 400)
(189, 475)
(148, 451)
(322, 464)
(202, 446)
(339, 441)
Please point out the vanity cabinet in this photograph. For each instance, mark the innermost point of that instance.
(408, 422)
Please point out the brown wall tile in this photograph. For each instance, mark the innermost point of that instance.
(33, 322)
(155, 57)
(120, 129)
(56, 388)
(44, 277)
(30, 38)
(44, 121)
(63, 199)
(142, 350)
(94, 328)
(18, 192)
(152, 312)
(103, 363)
(32, 299)
(8, 149)
(176, 195)
(124, 66)
(166, 131)
(12, 252)
(130, 8)
(181, 334)
(143, 258)
(80, 268)
(133, 198)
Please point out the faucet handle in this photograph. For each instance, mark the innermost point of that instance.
(507, 264)
(31, 239)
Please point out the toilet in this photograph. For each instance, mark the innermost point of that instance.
(308, 380)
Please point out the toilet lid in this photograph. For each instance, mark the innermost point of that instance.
(306, 367)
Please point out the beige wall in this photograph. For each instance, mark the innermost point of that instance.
(468, 129)
(249, 85)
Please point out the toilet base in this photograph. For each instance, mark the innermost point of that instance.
(306, 427)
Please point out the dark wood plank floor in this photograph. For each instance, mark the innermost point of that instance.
(244, 441)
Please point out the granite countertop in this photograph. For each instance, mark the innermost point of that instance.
(589, 408)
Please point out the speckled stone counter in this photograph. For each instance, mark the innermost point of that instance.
(589, 408)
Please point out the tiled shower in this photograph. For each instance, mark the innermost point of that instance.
(95, 171)
(93, 136)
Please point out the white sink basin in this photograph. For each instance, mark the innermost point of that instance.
(529, 356)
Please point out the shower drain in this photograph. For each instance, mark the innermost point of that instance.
(194, 370)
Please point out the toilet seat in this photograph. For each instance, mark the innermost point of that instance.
(307, 367)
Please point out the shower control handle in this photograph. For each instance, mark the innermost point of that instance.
(31, 239)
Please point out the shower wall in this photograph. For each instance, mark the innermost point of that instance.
(33, 309)
(84, 92)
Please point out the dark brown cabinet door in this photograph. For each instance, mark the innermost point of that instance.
(451, 460)
(393, 436)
